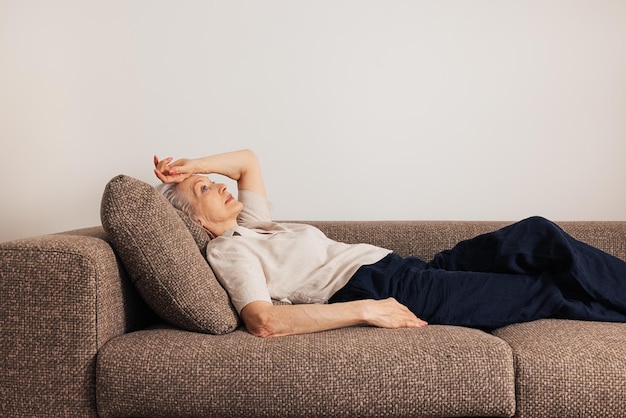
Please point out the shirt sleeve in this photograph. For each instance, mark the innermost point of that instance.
(240, 274)
(256, 208)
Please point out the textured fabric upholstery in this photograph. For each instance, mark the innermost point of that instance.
(568, 368)
(422, 239)
(61, 298)
(162, 258)
(437, 371)
(200, 236)
(66, 299)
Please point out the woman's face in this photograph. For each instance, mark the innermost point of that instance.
(213, 204)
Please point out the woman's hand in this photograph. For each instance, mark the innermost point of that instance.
(389, 313)
(174, 172)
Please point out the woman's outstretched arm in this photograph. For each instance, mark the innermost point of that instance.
(242, 166)
(264, 319)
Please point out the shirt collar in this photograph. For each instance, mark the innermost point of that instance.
(238, 231)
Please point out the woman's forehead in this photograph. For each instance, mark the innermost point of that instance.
(190, 183)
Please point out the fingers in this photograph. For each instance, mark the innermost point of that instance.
(403, 317)
(160, 165)
(407, 319)
(411, 318)
(160, 176)
(388, 313)
(163, 171)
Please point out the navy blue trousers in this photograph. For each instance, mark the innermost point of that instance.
(526, 271)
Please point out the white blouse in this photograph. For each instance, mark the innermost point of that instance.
(294, 263)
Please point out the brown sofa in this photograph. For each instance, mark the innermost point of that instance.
(79, 340)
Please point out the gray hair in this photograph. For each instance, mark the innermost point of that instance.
(177, 198)
(172, 192)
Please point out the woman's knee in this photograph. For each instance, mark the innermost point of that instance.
(539, 223)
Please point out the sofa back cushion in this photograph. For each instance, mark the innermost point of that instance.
(163, 258)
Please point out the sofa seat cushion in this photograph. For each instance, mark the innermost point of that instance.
(568, 368)
(362, 371)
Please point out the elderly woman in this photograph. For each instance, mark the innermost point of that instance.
(525, 271)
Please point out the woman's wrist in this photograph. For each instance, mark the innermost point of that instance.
(361, 311)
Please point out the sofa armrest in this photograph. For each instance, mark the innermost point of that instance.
(61, 298)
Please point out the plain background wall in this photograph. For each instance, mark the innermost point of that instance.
(357, 109)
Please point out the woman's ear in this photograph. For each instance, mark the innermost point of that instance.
(197, 219)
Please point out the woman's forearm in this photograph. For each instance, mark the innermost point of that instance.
(232, 164)
(266, 320)
(242, 166)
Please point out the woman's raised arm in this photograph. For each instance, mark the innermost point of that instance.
(242, 166)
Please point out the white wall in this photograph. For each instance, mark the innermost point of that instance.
(358, 109)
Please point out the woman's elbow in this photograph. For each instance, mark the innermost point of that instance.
(249, 155)
(259, 329)
(259, 322)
